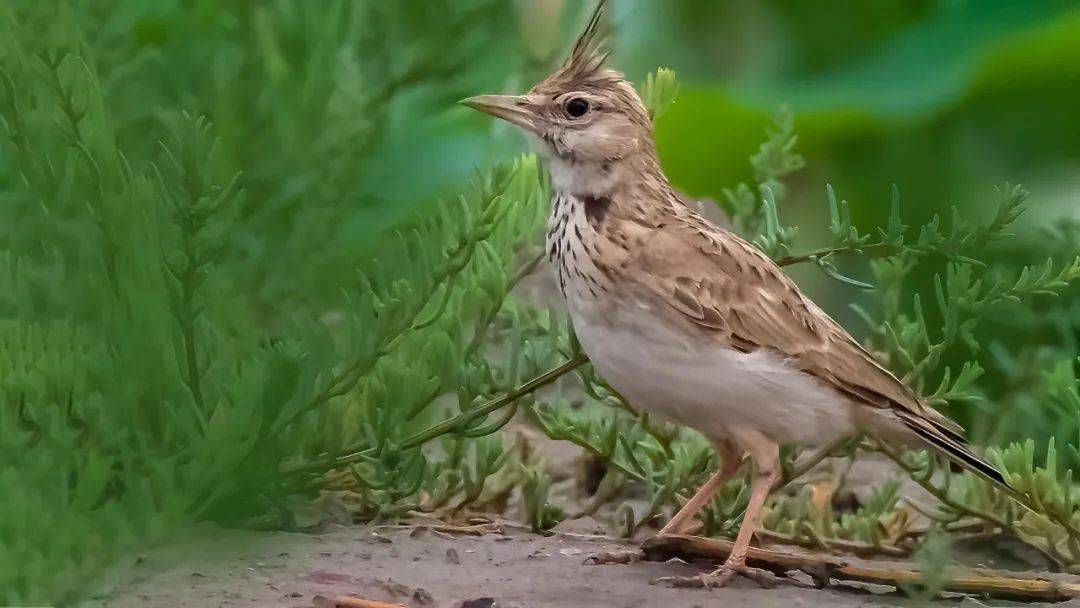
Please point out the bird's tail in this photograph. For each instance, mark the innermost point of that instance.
(955, 448)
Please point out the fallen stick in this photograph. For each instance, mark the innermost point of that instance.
(321, 601)
(850, 547)
(822, 568)
(470, 530)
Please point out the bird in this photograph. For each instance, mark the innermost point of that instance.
(687, 319)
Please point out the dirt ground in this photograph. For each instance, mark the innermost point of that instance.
(423, 568)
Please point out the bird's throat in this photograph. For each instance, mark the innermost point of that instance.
(584, 178)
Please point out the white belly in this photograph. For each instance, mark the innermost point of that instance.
(711, 388)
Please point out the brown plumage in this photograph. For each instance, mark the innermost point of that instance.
(687, 319)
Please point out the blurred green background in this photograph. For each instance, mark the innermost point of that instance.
(942, 98)
(338, 119)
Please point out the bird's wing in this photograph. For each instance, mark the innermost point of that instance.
(720, 282)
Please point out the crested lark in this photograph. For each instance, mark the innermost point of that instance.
(688, 320)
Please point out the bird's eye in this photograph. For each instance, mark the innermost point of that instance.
(577, 107)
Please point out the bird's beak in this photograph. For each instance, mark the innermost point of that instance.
(511, 108)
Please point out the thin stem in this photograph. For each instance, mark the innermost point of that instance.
(463, 418)
(452, 423)
(809, 462)
(813, 256)
(187, 314)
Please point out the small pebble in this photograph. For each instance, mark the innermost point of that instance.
(397, 588)
(452, 556)
(800, 577)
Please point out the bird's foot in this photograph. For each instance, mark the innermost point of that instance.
(614, 557)
(721, 577)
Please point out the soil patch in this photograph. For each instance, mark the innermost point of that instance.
(426, 568)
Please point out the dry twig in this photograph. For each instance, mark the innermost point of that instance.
(341, 601)
(837, 545)
(822, 568)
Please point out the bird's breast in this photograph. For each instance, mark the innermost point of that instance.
(576, 250)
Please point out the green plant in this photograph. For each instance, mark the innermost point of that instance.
(186, 196)
(147, 380)
(933, 559)
(540, 514)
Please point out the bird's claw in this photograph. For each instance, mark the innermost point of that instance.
(614, 557)
(720, 577)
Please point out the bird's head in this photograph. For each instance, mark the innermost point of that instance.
(584, 113)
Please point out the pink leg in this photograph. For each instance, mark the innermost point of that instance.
(766, 456)
(729, 466)
(764, 477)
(730, 463)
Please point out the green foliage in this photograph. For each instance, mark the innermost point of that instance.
(808, 518)
(630, 446)
(133, 453)
(754, 211)
(933, 560)
(660, 92)
(171, 344)
(540, 514)
(1055, 524)
(217, 298)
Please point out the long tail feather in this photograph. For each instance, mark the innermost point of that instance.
(955, 449)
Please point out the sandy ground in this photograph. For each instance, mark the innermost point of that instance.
(225, 568)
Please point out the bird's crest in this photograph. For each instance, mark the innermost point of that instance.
(586, 61)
